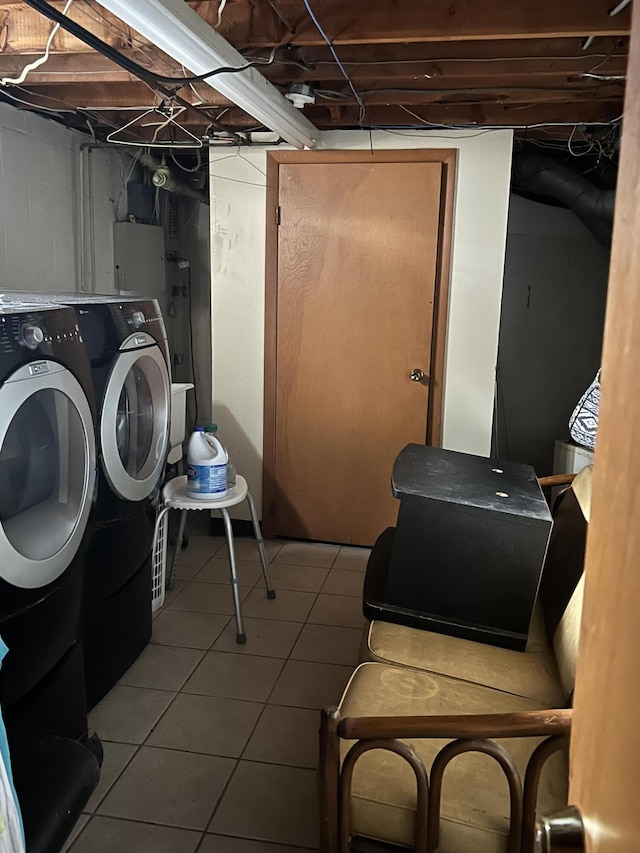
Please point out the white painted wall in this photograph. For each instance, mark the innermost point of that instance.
(237, 278)
(40, 207)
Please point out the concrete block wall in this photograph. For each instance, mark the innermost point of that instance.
(40, 208)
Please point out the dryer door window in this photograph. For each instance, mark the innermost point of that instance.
(134, 425)
(134, 422)
(47, 465)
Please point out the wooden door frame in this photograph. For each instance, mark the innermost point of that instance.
(448, 158)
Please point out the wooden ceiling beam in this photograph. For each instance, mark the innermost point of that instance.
(23, 30)
(68, 68)
(507, 73)
(533, 48)
(92, 67)
(250, 23)
(521, 115)
(120, 96)
(361, 21)
(496, 96)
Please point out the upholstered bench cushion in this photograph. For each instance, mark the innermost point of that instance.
(533, 675)
(475, 804)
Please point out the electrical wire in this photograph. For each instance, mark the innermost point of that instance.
(222, 4)
(33, 106)
(13, 81)
(184, 168)
(361, 107)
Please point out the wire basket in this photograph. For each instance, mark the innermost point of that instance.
(159, 562)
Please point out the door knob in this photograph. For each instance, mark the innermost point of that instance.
(563, 832)
(418, 375)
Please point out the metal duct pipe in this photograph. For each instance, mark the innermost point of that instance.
(539, 173)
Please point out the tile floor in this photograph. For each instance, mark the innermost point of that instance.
(211, 746)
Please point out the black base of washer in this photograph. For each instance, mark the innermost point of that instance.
(39, 627)
(55, 706)
(116, 632)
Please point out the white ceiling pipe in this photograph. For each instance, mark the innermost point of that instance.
(175, 28)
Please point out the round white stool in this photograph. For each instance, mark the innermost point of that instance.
(174, 496)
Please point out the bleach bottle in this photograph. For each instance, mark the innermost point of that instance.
(206, 466)
(231, 468)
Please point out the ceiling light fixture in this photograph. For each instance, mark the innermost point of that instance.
(300, 94)
(175, 28)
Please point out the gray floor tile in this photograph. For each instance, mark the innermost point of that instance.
(310, 685)
(344, 582)
(202, 544)
(108, 835)
(170, 594)
(271, 803)
(328, 644)
(342, 610)
(162, 667)
(188, 564)
(353, 559)
(127, 714)
(289, 606)
(307, 554)
(268, 637)
(226, 844)
(116, 758)
(300, 578)
(206, 724)
(187, 629)
(217, 570)
(178, 788)
(233, 676)
(246, 548)
(208, 598)
(285, 736)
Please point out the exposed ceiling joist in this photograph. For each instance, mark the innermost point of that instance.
(349, 22)
(443, 62)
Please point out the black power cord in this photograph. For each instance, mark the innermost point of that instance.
(123, 61)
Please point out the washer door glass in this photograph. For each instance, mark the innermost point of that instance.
(46, 476)
(134, 426)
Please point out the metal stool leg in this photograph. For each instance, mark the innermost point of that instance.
(171, 581)
(271, 593)
(241, 636)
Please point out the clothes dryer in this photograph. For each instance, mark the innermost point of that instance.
(127, 348)
(47, 477)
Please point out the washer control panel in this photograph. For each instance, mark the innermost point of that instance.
(27, 331)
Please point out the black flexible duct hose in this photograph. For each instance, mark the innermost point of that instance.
(542, 174)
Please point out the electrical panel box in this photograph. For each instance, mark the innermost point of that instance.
(468, 549)
(139, 260)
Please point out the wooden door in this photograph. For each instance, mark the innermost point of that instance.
(357, 267)
(605, 744)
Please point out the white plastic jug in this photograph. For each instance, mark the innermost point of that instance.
(206, 466)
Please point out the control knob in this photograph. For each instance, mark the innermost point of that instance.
(32, 336)
(138, 318)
